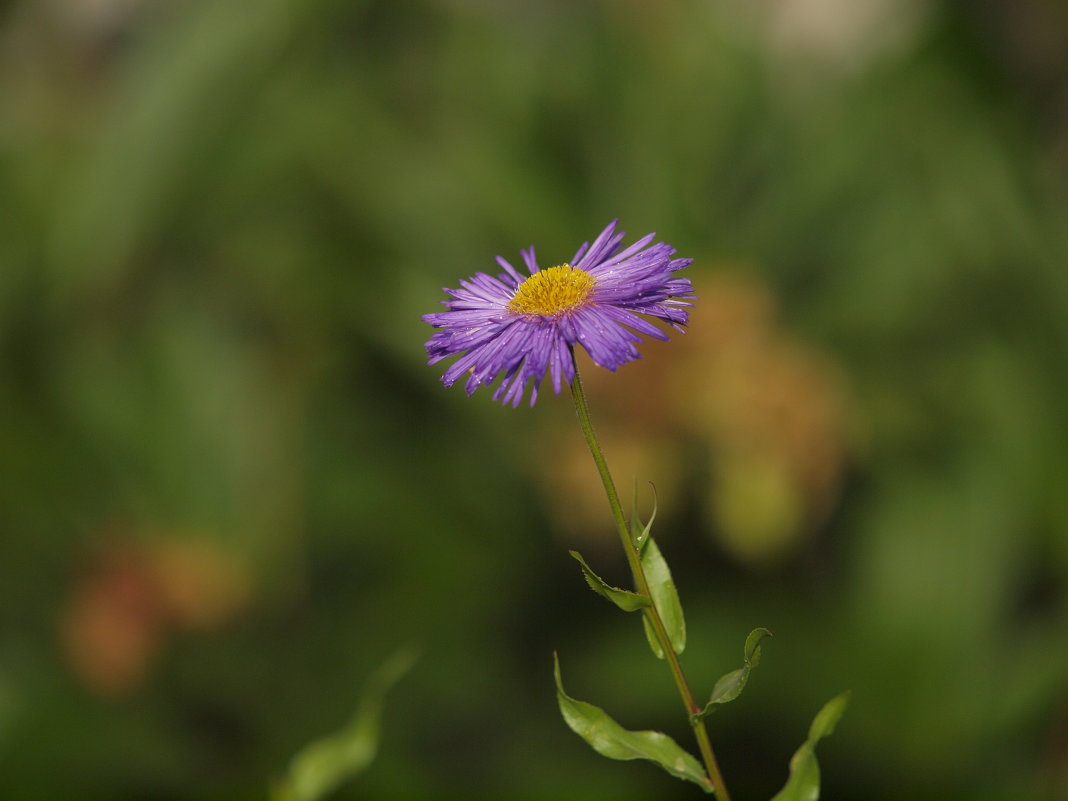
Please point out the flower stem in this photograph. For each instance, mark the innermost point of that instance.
(642, 587)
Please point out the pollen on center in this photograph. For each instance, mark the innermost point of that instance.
(553, 291)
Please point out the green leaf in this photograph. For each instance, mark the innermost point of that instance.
(624, 599)
(730, 685)
(666, 599)
(804, 781)
(322, 765)
(610, 739)
(639, 534)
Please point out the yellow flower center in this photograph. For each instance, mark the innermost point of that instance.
(553, 291)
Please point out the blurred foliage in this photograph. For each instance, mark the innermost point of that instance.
(324, 764)
(804, 781)
(231, 485)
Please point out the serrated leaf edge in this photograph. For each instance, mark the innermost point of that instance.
(625, 599)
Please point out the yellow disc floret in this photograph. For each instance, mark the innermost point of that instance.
(553, 291)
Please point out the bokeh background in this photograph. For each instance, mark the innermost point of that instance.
(231, 487)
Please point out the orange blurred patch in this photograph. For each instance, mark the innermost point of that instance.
(772, 409)
(751, 412)
(133, 595)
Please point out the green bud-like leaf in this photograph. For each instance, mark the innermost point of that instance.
(804, 781)
(624, 599)
(639, 534)
(610, 739)
(323, 764)
(666, 599)
(752, 646)
(730, 685)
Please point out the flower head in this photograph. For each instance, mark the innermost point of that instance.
(521, 327)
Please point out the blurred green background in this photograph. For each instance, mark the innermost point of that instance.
(231, 487)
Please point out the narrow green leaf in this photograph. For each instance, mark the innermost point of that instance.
(666, 599)
(730, 685)
(804, 781)
(650, 635)
(624, 599)
(322, 765)
(610, 739)
(639, 534)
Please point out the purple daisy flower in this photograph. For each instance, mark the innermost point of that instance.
(524, 326)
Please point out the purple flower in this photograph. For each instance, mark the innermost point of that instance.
(524, 326)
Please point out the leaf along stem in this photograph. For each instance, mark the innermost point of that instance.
(642, 586)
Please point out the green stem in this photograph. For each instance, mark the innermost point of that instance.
(642, 587)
